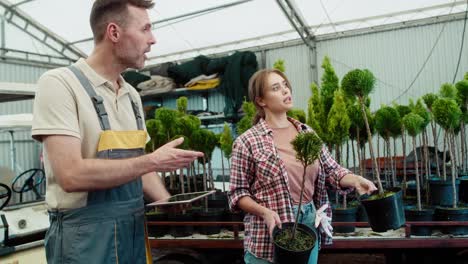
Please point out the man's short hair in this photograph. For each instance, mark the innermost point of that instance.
(105, 11)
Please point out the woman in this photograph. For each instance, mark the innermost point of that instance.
(265, 175)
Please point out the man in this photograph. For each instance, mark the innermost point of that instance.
(90, 121)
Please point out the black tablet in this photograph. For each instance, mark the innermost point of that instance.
(182, 198)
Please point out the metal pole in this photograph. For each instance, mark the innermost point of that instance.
(12, 151)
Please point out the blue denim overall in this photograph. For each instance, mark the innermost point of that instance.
(111, 227)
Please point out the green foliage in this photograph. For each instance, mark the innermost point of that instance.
(338, 120)
(462, 91)
(297, 114)
(387, 122)
(248, 108)
(205, 141)
(246, 121)
(413, 124)
(466, 76)
(182, 103)
(419, 109)
(279, 65)
(447, 90)
(187, 124)
(446, 113)
(358, 83)
(429, 99)
(402, 109)
(226, 140)
(156, 132)
(168, 119)
(330, 84)
(307, 146)
(314, 110)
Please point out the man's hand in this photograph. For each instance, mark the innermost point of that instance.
(271, 219)
(170, 158)
(364, 186)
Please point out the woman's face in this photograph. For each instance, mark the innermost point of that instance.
(276, 95)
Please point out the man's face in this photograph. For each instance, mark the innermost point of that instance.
(136, 39)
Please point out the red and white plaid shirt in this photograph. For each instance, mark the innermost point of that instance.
(258, 172)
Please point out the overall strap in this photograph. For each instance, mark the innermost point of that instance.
(136, 111)
(95, 98)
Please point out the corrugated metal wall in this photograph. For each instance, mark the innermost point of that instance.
(27, 151)
(396, 56)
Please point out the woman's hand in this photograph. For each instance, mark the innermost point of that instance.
(271, 219)
(364, 186)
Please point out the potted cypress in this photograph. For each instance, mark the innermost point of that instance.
(360, 83)
(429, 100)
(387, 124)
(443, 191)
(294, 241)
(447, 115)
(403, 110)
(414, 124)
(338, 127)
(462, 94)
(225, 142)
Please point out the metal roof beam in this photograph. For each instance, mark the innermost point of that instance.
(296, 19)
(31, 27)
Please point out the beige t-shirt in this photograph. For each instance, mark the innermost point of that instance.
(282, 138)
(62, 107)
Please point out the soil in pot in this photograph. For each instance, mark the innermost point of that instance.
(295, 251)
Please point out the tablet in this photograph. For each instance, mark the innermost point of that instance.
(182, 198)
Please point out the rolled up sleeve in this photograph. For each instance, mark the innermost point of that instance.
(241, 175)
(334, 172)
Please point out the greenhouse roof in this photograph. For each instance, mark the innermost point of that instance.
(57, 32)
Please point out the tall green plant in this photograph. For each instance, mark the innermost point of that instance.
(447, 115)
(429, 100)
(388, 124)
(413, 124)
(279, 65)
(225, 141)
(403, 110)
(314, 111)
(447, 90)
(297, 114)
(329, 85)
(246, 121)
(182, 103)
(307, 147)
(462, 95)
(338, 127)
(360, 83)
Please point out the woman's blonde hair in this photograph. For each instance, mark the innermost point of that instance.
(257, 84)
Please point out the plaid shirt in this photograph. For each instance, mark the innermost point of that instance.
(258, 172)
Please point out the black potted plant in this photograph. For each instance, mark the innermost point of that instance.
(447, 115)
(414, 124)
(462, 94)
(384, 209)
(338, 127)
(294, 241)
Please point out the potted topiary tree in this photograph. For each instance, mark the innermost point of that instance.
(225, 141)
(387, 124)
(360, 83)
(414, 124)
(294, 241)
(403, 110)
(338, 127)
(429, 100)
(462, 94)
(246, 121)
(447, 115)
